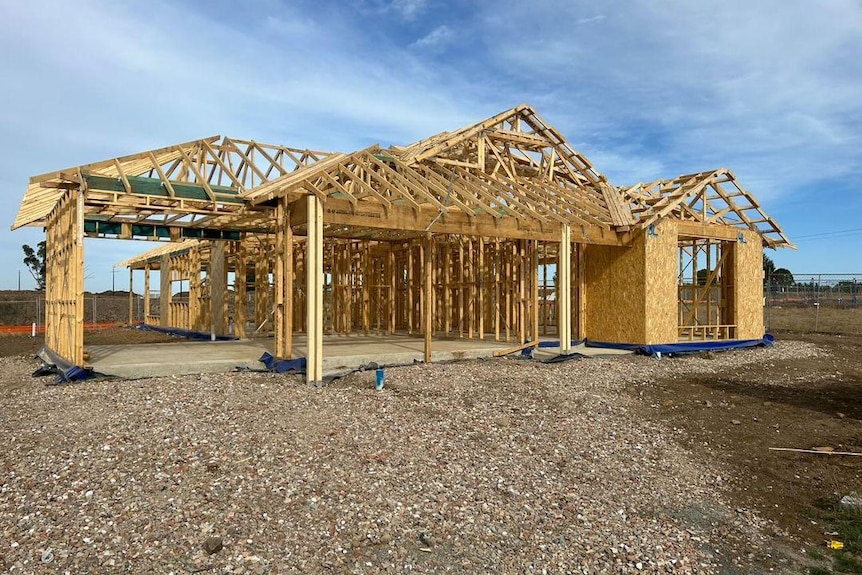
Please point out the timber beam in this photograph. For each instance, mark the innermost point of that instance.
(341, 212)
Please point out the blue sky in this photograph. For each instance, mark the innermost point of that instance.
(771, 89)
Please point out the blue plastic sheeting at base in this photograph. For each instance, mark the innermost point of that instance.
(282, 365)
(65, 371)
(557, 343)
(665, 348)
(687, 347)
(528, 351)
(186, 333)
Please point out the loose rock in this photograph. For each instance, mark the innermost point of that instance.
(213, 545)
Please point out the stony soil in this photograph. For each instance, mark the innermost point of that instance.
(503, 466)
(735, 416)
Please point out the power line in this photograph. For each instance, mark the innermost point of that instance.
(834, 237)
(833, 232)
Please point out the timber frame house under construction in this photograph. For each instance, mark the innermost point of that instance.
(453, 236)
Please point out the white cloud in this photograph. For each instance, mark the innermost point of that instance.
(623, 168)
(591, 19)
(771, 90)
(768, 89)
(437, 38)
(97, 82)
(409, 9)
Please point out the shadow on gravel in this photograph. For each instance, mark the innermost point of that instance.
(827, 396)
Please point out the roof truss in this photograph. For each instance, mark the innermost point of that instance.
(519, 145)
(706, 198)
(511, 175)
(436, 192)
(198, 178)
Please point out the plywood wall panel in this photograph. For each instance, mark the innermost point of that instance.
(660, 282)
(614, 285)
(748, 286)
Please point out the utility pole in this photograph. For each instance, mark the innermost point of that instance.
(113, 280)
(19, 279)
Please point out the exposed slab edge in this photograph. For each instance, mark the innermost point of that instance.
(186, 333)
(341, 363)
(66, 370)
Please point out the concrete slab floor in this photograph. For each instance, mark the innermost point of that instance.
(341, 353)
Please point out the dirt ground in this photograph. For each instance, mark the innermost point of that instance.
(709, 420)
(737, 415)
(809, 319)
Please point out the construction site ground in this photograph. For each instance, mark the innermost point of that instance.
(622, 464)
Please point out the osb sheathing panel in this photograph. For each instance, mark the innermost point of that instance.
(64, 280)
(615, 284)
(748, 287)
(662, 261)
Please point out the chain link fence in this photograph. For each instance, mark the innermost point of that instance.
(24, 308)
(823, 303)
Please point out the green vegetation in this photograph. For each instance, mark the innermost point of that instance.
(847, 563)
(35, 261)
(816, 555)
(848, 528)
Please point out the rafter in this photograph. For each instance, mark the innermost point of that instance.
(702, 198)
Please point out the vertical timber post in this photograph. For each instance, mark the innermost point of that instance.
(534, 284)
(283, 281)
(481, 286)
(427, 297)
(218, 286)
(131, 297)
(194, 271)
(582, 291)
(522, 293)
(165, 291)
(146, 292)
(564, 289)
(240, 304)
(78, 254)
(314, 289)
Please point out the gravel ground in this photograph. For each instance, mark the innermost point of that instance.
(503, 466)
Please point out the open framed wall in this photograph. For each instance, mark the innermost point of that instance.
(706, 300)
(64, 279)
(450, 237)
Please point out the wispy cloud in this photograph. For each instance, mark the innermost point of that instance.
(123, 87)
(715, 83)
(596, 18)
(644, 89)
(437, 38)
(409, 9)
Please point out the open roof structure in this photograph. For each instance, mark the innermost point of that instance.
(706, 198)
(411, 237)
(194, 185)
(511, 175)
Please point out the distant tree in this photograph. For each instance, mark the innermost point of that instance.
(768, 266)
(782, 277)
(35, 261)
(702, 275)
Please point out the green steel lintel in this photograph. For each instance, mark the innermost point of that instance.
(97, 226)
(153, 187)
